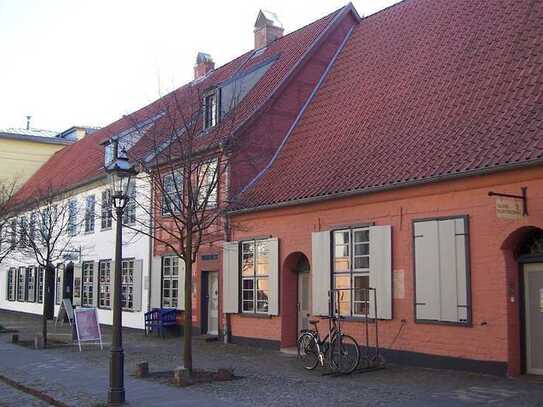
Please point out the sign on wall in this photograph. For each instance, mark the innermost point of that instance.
(508, 208)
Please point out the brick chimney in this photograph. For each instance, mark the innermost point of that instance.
(204, 64)
(267, 28)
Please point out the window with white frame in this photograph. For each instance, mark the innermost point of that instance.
(40, 282)
(90, 213)
(21, 284)
(106, 211)
(23, 230)
(172, 193)
(170, 281)
(12, 284)
(442, 283)
(129, 214)
(13, 233)
(255, 270)
(32, 227)
(87, 270)
(127, 284)
(351, 269)
(58, 283)
(208, 184)
(211, 108)
(104, 284)
(31, 275)
(72, 218)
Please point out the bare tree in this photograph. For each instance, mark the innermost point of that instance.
(46, 228)
(8, 239)
(189, 151)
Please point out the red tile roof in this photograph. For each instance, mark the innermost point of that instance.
(82, 162)
(423, 90)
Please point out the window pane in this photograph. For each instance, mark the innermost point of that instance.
(361, 295)
(361, 249)
(361, 262)
(343, 297)
(361, 235)
(342, 260)
(341, 237)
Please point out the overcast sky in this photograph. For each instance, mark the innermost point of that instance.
(76, 62)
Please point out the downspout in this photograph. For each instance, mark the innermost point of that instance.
(227, 237)
(151, 245)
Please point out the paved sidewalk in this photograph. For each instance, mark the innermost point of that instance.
(78, 384)
(268, 378)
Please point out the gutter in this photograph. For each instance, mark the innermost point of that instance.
(391, 187)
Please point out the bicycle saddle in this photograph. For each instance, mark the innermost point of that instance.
(314, 321)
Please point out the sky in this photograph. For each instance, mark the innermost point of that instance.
(87, 63)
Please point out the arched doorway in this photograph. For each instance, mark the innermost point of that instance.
(297, 297)
(523, 251)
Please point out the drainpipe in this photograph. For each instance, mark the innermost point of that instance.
(151, 245)
(226, 322)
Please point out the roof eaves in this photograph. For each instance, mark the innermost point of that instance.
(38, 139)
(390, 187)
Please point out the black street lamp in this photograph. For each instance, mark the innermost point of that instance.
(120, 173)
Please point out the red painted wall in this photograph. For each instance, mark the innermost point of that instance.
(494, 335)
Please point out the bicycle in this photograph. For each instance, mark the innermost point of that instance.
(341, 350)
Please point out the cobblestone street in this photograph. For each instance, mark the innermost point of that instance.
(13, 397)
(268, 378)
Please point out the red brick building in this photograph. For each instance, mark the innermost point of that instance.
(276, 80)
(384, 181)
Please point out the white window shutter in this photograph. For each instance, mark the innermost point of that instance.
(230, 278)
(461, 270)
(273, 294)
(138, 284)
(427, 286)
(77, 276)
(320, 280)
(381, 270)
(95, 279)
(181, 288)
(447, 271)
(156, 282)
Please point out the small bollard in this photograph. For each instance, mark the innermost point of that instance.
(15, 338)
(38, 342)
(142, 369)
(181, 376)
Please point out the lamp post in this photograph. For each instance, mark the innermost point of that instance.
(120, 173)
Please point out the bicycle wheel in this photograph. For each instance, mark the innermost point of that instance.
(344, 354)
(308, 350)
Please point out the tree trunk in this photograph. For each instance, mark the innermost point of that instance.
(187, 328)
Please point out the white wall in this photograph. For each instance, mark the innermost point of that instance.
(95, 246)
